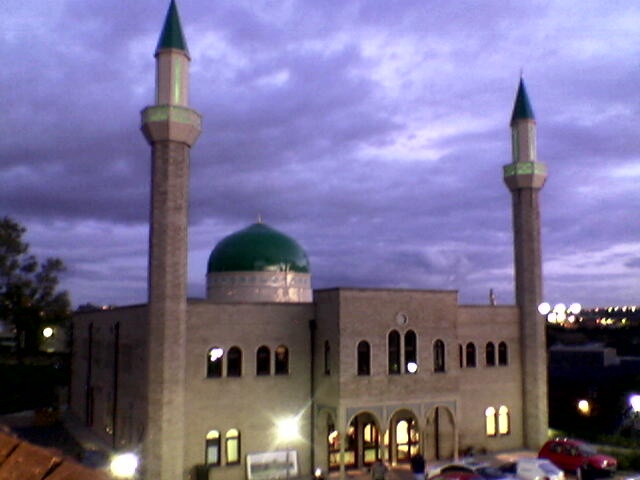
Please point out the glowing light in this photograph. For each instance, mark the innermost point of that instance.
(584, 407)
(412, 367)
(288, 429)
(47, 332)
(560, 307)
(575, 308)
(124, 465)
(634, 402)
(215, 354)
(544, 308)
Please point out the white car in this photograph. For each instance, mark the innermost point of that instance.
(534, 469)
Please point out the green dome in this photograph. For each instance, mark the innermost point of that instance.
(258, 248)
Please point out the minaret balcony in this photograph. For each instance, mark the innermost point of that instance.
(525, 175)
(171, 123)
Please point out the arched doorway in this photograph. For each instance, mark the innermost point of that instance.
(403, 437)
(441, 434)
(361, 442)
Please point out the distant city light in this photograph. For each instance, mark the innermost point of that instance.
(544, 308)
(575, 308)
(584, 407)
(47, 332)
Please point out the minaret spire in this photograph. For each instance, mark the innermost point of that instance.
(171, 128)
(525, 177)
(172, 36)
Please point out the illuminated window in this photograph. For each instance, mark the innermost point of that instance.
(503, 354)
(333, 445)
(504, 427)
(438, 356)
(490, 421)
(214, 362)
(212, 448)
(490, 354)
(410, 352)
(364, 358)
(470, 355)
(370, 443)
(232, 446)
(282, 360)
(234, 362)
(394, 352)
(327, 358)
(407, 439)
(263, 361)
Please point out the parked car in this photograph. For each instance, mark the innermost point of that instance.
(486, 471)
(456, 475)
(578, 457)
(533, 469)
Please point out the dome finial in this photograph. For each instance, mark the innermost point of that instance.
(259, 218)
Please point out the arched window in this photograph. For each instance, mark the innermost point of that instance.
(504, 424)
(410, 352)
(438, 356)
(394, 352)
(364, 358)
(490, 421)
(370, 442)
(327, 358)
(490, 354)
(470, 357)
(212, 448)
(214, 362)
(263, 361)
(503, 354)
(232, 446)
(407, 439)
(282, 360)
(234, 362)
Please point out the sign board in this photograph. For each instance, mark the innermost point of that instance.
(272, 465)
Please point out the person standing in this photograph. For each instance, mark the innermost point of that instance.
(418, 466)
(378, 470)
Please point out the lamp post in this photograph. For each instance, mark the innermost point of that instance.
(287, 432)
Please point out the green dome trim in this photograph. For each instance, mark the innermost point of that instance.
(258, 248)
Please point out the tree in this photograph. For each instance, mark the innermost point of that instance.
(29, 296)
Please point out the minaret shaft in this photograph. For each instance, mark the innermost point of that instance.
(171, 128)
(525, 176)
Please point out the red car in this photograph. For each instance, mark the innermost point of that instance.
(579, 457)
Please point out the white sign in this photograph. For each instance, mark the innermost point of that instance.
(272, 465)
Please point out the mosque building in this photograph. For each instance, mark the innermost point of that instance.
(266, 377)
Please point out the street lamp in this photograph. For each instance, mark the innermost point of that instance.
(288, 430)
(124, 465)
(584, 407)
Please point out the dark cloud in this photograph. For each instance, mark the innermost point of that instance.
(373, 132)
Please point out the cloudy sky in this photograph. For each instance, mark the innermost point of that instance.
(373, 132)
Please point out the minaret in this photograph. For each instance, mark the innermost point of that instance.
(171, 128)
(525, 176)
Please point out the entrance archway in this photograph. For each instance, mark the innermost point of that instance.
(441, 434)
(403, 437)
